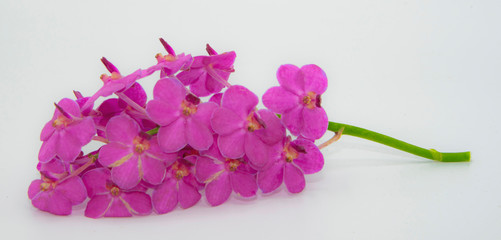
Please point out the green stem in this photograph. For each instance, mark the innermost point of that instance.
(401, 145)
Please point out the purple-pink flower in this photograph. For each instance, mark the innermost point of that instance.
(182, 118)
(208, 74)
(109, 200)
(179, 186)
(132, 154)
(57, 197)
(223, 176)
(66, 133)
(298, 99)
(292, 160)
(243, 129)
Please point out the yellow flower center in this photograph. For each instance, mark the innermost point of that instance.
(140, 144)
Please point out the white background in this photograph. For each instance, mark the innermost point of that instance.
(427, 72)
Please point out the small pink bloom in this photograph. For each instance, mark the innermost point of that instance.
(182, 118)
(179, 186)
(66, 133)
(57, 197)
(243, 129)
(109, 200)
(224, 175)
(298, 99)
(292, 161)
(206, 73)
(171, 63)
(132, 155)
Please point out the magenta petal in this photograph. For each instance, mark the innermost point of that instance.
(47, 131)
(122, 129)
(138, 203)
(232, 145)
(315, 79)
(204, 112)
(291, 78)
(169, 90)
(293, 120)
(313, 160)
(164, 198)
(218, 190)
(58, 204)
(274, 130)
(293, 178)
(70, 106)
(172, 137)
(315, 123)
(113, 154)
(279, 100)
(271, 178)
(117, 209)
(198, 135)
(188, 195)
(68, 146)
(126, 176)
(52, 202)
(187, 77)
(34, 188)
(207, 169)
(83, 131)
(199, 86)
(73, 189)
(41, 201)
(98, 205)
(256, 150)
(95, 181)
(225, 121)
(224, 60)
(243, 183)
(48, 150)
(163, 113)
(240, 100)
(153, 170)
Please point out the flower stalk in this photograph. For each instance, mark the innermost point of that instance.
(398, 144)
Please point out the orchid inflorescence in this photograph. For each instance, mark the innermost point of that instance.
(160, 153)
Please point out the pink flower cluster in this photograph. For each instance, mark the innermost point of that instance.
(168, 151)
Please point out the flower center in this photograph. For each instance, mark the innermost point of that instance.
(169, 57)
(140, 144)
(61, 121)
(46, 186)
(115, 191)
(114, 76)
(254, 122)
(180, 170)
(232, 164)
(188, 108)
(311, 100)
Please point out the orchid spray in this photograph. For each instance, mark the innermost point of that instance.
(171, 150)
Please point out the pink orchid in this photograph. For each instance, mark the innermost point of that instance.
(182, 118)
(53, 169)
(179, 186)
(298, 100)
(208, 74)
(171, 63)
(109, 200)
(243, 129)
(132, 154)
(66, 133)
(57, 197)
(224, 175)
(116, 106)
(292, 161)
